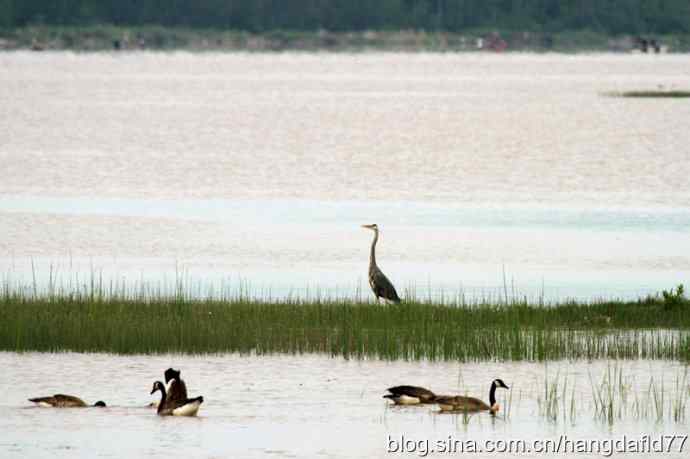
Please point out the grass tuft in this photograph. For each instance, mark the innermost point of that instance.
(102, 318)
(662, 93)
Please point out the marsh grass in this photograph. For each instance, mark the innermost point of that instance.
(95, 316)
(661, 93)
(615, 398)
(549, 404)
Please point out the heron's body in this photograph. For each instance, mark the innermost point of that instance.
(166, 407)
(410, 395)
(380, 285)
(461, 403)
(62, 401)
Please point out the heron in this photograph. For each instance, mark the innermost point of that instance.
(382, 287)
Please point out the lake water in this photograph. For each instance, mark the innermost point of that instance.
(481, 170)
(308, 406)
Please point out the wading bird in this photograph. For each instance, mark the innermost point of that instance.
(382, 287)
(460, 403)
(410, 395)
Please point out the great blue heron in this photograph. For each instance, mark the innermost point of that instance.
(382, 287)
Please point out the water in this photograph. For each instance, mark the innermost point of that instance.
(484, 172)
(297, 406)
(481, 170)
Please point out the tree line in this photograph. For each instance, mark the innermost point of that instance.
(605, 16)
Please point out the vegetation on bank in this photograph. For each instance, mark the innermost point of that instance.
(152, 37)
(613, 17)
(91, 321)
(346, 24)
(661, 93)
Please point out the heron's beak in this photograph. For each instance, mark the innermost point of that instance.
(368, 226)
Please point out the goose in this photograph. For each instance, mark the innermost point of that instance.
(64, 401)
(410, 395)
(458, 402)
(188, 407)
(175, 387)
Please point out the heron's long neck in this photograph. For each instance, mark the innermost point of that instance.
(492, 394)
(372, 256)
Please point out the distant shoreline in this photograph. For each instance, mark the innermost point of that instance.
(116, 38)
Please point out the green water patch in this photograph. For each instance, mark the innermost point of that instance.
(654, 327)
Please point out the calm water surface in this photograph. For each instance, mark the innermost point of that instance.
(300, 406)
(257, 169)
(261, 167)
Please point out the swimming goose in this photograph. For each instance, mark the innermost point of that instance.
(175, 386)
(410, 395)
(188, 407)
(63, 401)
(458, 402)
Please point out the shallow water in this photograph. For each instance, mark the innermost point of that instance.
(484, 172)
(298, 406)
(261, 167)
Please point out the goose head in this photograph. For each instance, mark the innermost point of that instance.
(171, 373)
(499, 383)
(157, 386)
(100, 404)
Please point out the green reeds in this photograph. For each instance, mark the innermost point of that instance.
(111, 318)
(661, 93)
(654, 94)
(553, 403)
(615, 398)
